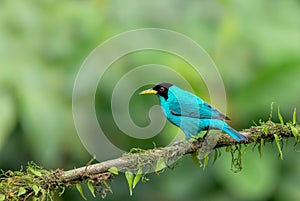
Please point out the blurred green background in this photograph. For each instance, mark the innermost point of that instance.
(255, 44)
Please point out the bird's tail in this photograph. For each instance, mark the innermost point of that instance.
(235, 134)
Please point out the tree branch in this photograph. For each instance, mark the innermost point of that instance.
(144, 160)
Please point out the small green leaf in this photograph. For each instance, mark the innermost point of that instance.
(244, 149)
(280, 117)
(228, 148)
(35, 172)
(205, 162)
(2, 197)
(217, 154)
(195, 159)
(22, 191)
(160, 165)
(35, 188)
(107, 186)
(129, 177)
(295, 132)
(277, 140)
(295, 116)
(265, 130)
(137, 178)
(79, 188)
(271, 112)
(91, 188)
(114, 170)
(260, 146)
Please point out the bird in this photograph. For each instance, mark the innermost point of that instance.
(190, 113)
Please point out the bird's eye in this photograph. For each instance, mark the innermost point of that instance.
(161, 89)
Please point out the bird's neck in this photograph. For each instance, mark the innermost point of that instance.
(164, 106)
(167, 112)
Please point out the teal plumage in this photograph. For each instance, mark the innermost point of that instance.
(189, 112)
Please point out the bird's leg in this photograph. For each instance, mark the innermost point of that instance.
(205, 139)
(205, 135)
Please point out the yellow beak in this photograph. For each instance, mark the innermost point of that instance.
(148, 91)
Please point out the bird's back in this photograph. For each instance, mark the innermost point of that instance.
(184, 103)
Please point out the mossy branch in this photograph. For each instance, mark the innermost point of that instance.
(37, 182)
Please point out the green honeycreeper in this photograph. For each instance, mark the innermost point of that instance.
(191, 113)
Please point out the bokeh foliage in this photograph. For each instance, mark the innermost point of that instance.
(255, 45)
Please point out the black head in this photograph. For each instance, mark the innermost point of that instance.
(162, 89)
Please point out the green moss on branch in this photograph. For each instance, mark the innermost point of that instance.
(36, 182)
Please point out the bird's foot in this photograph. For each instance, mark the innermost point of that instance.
(205, 135)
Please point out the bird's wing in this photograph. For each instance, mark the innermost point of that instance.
(203, 111)
(189, 105)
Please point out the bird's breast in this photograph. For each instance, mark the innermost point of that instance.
(167, 112)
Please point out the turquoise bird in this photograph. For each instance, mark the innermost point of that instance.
(191, 113)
